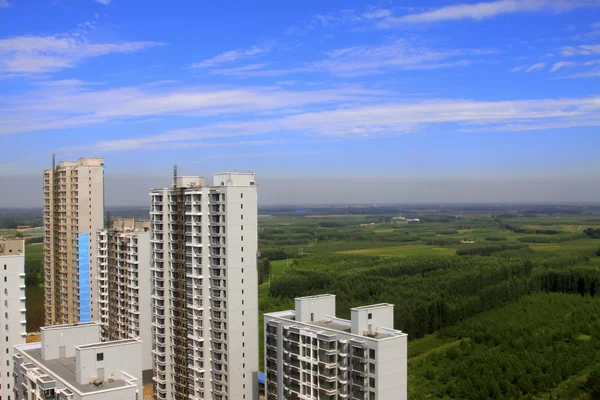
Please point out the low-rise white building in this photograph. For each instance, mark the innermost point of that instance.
(12, 308)
(70, 363)
(311, 354)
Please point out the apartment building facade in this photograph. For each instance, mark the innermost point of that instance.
(311, 354)
(205, 293)
(13, 329)
(70, 363)
(73, 212)
(124, 285)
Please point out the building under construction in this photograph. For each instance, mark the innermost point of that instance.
(204, 288)
(124, 285)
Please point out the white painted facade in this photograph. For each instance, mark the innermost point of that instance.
(124, 284)
(71, 364)
(12, 308)
(311, 354)
(222, 288)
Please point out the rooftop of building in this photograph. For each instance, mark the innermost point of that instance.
(68, 326)
(64, 369)
(11, 246)
(128, 225)
(334, 325)
(220, 179)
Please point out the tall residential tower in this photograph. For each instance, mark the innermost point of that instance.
(12, 309)
(124, 285)
(73, 212)
(205, 293)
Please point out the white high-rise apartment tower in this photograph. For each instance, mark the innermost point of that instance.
(73, 212)
(124, 285)
(205, 293)
(311, 354)
(13, 329)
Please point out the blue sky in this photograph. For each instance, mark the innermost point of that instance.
(288, 89)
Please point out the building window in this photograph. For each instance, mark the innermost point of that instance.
(100, 357)
(372, 354)
(372, 368)
(242, 206)
(4, 279)
(370, 316)
(372, 382)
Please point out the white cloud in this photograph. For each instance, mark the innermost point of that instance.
(389, 119)
(36, 54)
(587, 74)
(231, 56)
(70, 104)
(4, 3)
(105, 2)
(562, 64)
(365, 60)
(377, 14)
(594, 62)
(536, 67)
(517, 69)
(582, 50)
(486, 10)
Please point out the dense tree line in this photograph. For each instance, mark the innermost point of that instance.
(264, 269)
(434, 292)
(523, 349)
(488, 249)
(593, 233)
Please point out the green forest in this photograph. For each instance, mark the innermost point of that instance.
(496, 305)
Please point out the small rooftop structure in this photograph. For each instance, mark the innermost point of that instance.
(66, 364)
(373, 321)
(131, 225)
(11, 246)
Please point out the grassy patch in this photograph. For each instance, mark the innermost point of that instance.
(404, 251)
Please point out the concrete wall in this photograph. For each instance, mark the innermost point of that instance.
(90, 202)
(145, 284)
(67, 336)
(242, 283)
(12, 308)
(371, 318)
(391, 369)
(315, 308)
(113, 357)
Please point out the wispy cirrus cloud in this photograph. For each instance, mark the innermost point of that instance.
(231, 56)
(40, 54)
(4, 3)
(66, 104)
(105, 2)
(485, 10)
(377, 13)
(582, 50)
(536, 67)
(388, 118)
(561, 65)
(352, 61)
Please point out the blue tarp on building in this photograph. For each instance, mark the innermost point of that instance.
(84, 277)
